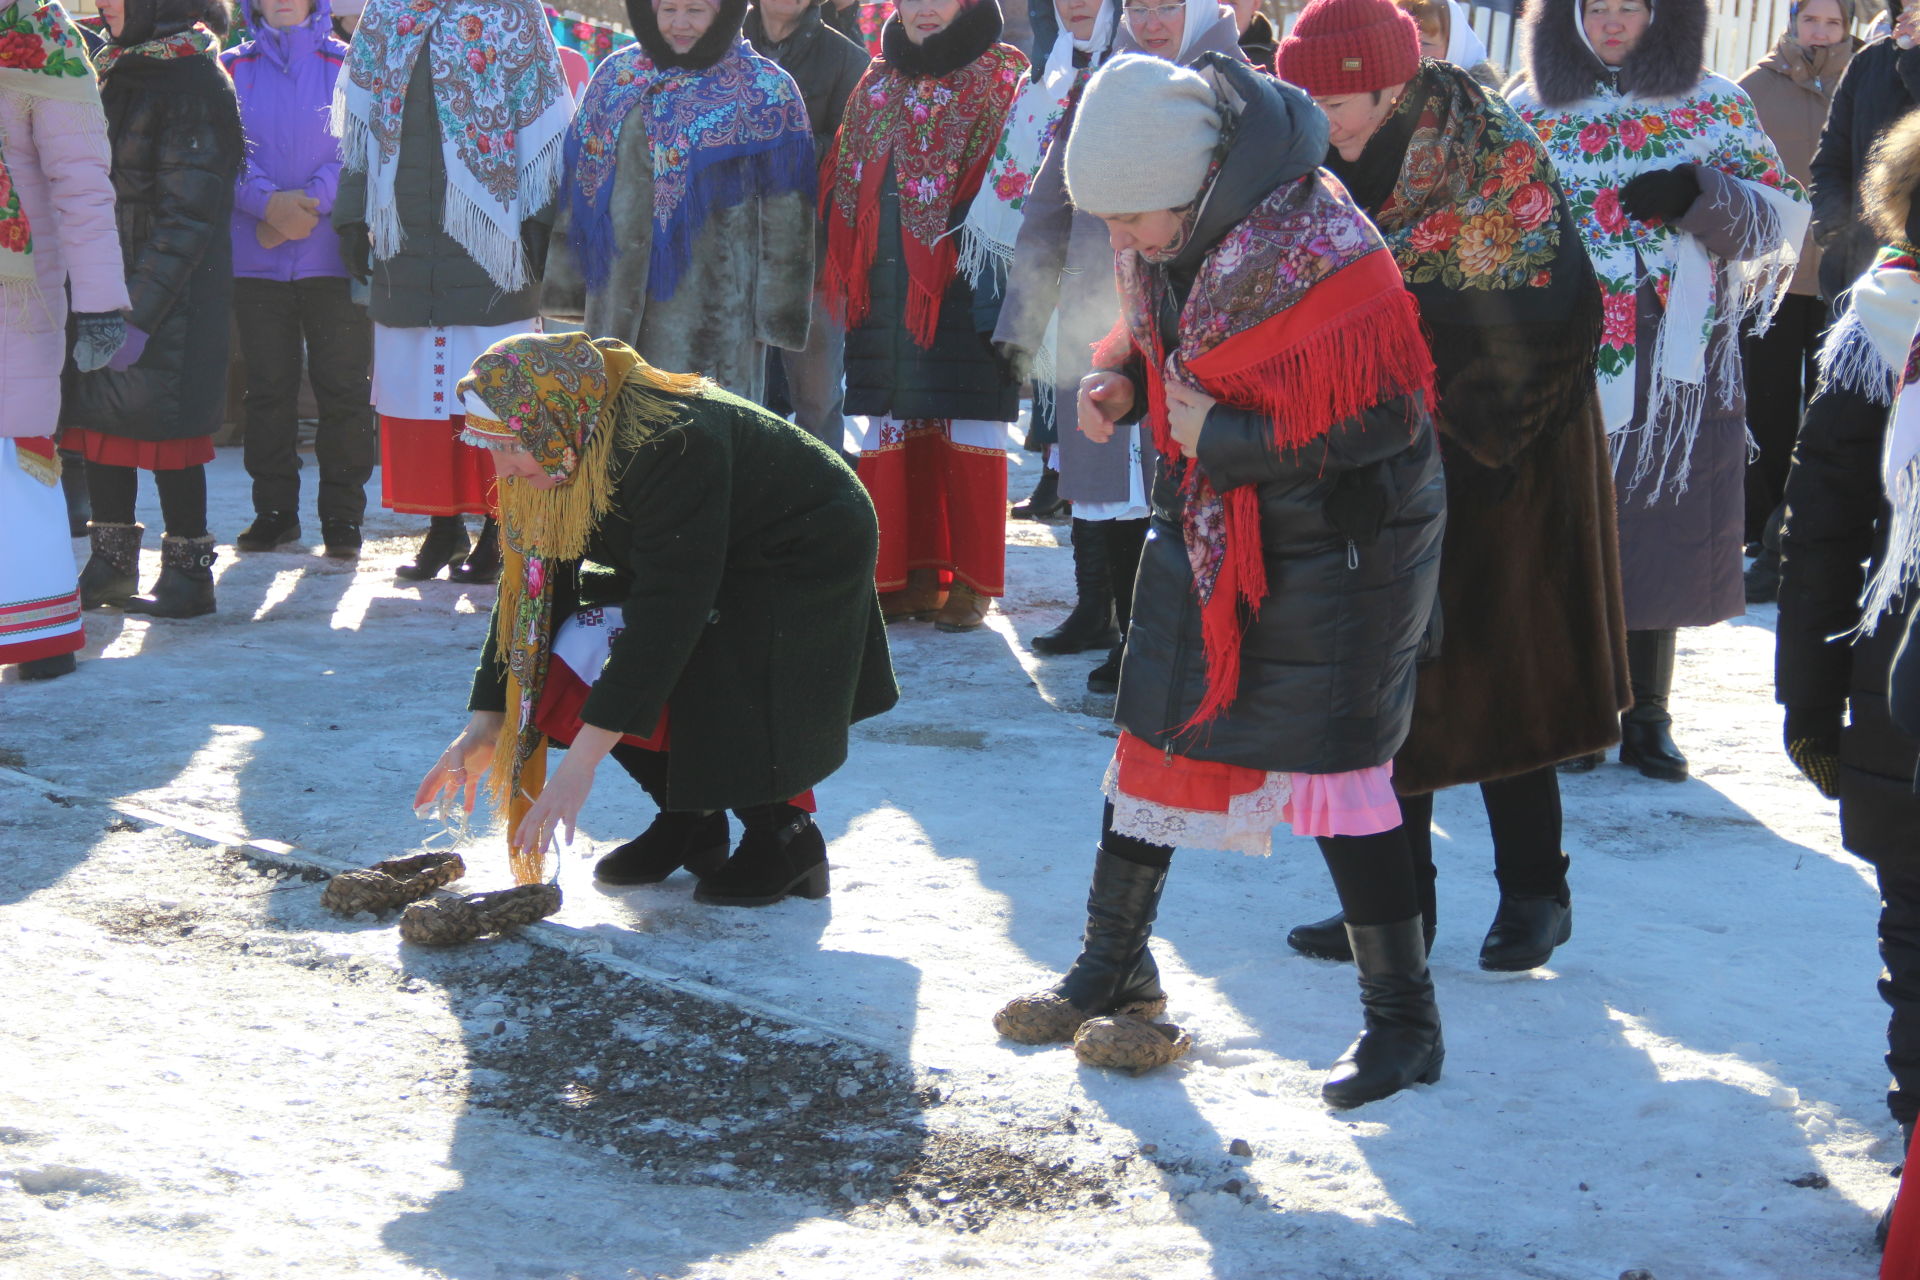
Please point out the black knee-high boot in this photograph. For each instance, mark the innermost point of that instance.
(1400, 1044)
(1114, 972)
(1125, 538)
(694, 839)
(1646, 740)
(1090, 625)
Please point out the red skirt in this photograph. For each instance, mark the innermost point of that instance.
(426, 471)
(941, 506)
(148, 455)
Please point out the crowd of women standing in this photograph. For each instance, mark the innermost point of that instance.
(1403, 420)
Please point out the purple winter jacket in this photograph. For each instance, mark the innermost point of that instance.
(285, 81)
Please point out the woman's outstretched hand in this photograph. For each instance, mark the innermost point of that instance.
(461, 766)
(565, 793)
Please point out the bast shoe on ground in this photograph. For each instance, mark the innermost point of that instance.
(774, 860)
(677, 838)
(1114, 973)
(185, 588)
(1124, 1042)
(269, 531)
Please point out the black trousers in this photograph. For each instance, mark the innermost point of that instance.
(1780, 375)
(275, 318)
(1524, 815)
(1900, 982)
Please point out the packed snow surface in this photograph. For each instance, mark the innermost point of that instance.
(205, 1077)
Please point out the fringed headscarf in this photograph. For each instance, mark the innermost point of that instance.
(41, 56)
(568, 401)
(720, 135)
(934, 126)
(500, 95)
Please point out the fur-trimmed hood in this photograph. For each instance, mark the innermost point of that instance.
(1668, 60)
(1893, 172)
(707, 50)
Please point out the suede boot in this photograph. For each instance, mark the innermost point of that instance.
(185, 588)
(677, 838)
(1646, 740)
(965, 610)
(1114, 973)
(1091, 624)
(112, 574)
(446, 543)
(483, 562)
(1401, 1042)
(919, 599)
(781, 853)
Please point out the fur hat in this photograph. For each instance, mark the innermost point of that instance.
(707, 50)
(1893, 174)
(1143, 138)
(1350, 46)
(1563, 70)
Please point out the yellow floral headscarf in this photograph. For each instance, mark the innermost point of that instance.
(565, 399)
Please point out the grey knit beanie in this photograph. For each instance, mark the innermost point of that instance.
(1143, 137)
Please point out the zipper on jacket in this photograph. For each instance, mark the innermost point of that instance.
(1353, 554)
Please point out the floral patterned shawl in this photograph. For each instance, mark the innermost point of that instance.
(1300, 313)
(938, 136)
(501, 97)
(566, 399)
(721, 136)
(41, 56)
(192, 42)
(1597, 146)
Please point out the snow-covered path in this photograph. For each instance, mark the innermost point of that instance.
(314, 1101)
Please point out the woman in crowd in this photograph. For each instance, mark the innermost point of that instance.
(56, 233)
(687, 230)
(928, 397)
(1446, 35)
(451, 121)
(826, 66)
(1298, 505)
(1852, 530)
(1532, 668)
(1880, 85)
(175, 133)
(293, 309)
(1791, 88)
(1062, 273)
(1693, 226)
(742, 549)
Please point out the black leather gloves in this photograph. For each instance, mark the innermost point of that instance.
(1663, 194)
(1813, 744)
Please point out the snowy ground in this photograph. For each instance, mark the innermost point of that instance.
(207, 1077)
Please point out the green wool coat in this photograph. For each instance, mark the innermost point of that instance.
(741, 551)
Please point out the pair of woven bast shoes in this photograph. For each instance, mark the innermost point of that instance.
(436, 922)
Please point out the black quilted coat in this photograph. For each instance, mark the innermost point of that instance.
(174, 127)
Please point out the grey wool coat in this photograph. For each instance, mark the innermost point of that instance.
(1062, 260)
(749, 287)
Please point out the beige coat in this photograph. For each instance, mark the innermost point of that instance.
(1792, 94)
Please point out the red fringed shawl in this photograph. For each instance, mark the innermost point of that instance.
(1299, 313)
(939, 135)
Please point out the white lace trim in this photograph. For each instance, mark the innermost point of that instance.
(1246, 827)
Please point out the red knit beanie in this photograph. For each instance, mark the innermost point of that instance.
(1350, 46)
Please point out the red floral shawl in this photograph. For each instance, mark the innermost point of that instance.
(939, 134)
(1299, 313)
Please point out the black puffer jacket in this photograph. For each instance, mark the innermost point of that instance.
(174, 127)
(432, 280)
(887, 371)
(1880, 85)
(1836, 522)
(1327, 665)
